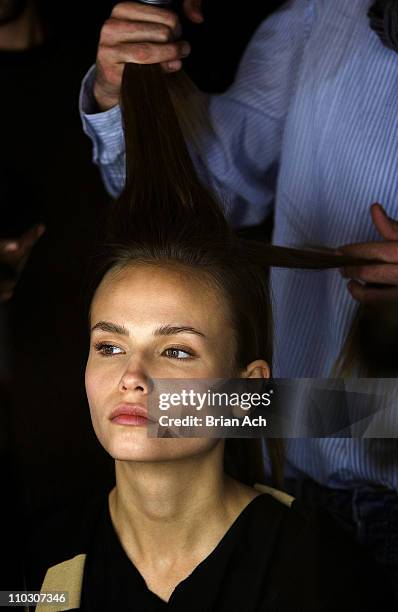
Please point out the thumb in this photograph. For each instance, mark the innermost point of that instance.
(387, 227)
(193, 10)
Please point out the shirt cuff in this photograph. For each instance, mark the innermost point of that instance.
(103, 128)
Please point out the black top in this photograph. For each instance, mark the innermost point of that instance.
(272, 558)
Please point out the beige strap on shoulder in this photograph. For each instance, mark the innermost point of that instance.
(66, 576)
(281, 496)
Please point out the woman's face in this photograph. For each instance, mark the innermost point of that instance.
(149, 322)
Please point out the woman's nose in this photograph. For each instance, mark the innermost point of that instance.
(135, 378)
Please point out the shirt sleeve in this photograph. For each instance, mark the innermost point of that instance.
(106, 133)
(239, 156)
(241, 159)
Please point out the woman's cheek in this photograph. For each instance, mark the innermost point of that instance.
(96, 389)
(96, 383)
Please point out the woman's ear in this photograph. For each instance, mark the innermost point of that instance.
(257, 369)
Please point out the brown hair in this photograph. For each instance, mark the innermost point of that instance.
(166, 215)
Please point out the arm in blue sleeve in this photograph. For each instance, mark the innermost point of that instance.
(106, 133)
(239, 157)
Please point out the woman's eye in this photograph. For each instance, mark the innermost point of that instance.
(107, 349)
(177, 353)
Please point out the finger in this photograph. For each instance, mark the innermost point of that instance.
(31, 236)
(6, 291)
(369, 295)
(386, 274)
(193, 10)
(117, 30)
(387, 227)
(10, 254)
(171, 66)
(378, 251)
(150, 53)
(134, 11)
(8, 246)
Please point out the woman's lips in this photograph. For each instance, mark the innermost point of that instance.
(129, 414)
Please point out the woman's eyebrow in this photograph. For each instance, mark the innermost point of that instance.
(111, 328)
(171, 330)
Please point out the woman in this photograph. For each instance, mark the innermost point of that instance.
(177, 295)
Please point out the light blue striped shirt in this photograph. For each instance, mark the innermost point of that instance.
(315, 103)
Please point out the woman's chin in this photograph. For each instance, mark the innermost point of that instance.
(140, 448)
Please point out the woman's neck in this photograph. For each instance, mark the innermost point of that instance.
(169, 516)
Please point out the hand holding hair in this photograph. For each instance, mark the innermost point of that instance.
(378, 273)
(140, 34)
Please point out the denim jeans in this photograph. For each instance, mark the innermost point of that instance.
(369, 513)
